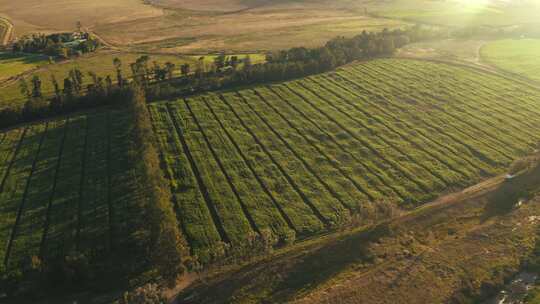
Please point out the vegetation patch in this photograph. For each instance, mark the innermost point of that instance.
(518, 56)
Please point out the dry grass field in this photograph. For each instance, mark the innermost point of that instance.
(194, 26)
(59, 15)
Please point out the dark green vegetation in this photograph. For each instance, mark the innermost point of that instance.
(161, 82)
(460, 249)
(300, 157)
(84, 199)
(255, 168)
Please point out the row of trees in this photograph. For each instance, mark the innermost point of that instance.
(292, 63)
(63, 45)
(76, 92)
(157, 233)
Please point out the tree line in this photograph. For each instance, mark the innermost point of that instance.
(155, 248)
(162, 81)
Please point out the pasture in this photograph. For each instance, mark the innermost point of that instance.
(287, 160)
(12, 65)
(518, 56)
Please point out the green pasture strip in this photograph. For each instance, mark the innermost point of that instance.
(277, 181)
(324, 164)
(364, 162)
(28, 235)
(235, 224)
(193, 214)
(256, 200)
(427, 159)
(59, 237)
(413, 132)
(93, 227)
(16, 183)
(449, 104)
(321, 200)
(418, 189)
(428, 116)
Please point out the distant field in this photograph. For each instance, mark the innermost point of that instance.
(459, 13)
(59, 15)
(264, 29)
(14, 64)
(298, 157)
(516, 56)
(65, 186)
(285, 160)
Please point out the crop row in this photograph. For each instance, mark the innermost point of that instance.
(62, 183)
(295, 158)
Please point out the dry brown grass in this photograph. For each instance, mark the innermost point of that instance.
(60, 15)
(194, 26)
(242, 31)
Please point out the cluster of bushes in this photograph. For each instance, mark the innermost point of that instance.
(62, 45)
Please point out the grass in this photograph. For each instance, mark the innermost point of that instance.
(321, 150)
(459, 247)
(57, 193)
(15, 64)
(518, 56)
(269, 163)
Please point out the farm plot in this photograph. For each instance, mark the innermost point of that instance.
(65, 188)
(293, 159)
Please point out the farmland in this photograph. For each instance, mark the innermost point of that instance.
(65, 187)
(101, 64)
(516, 56)
(285, 161)
(297, 158)
(14, 64)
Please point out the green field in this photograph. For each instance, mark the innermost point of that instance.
(65, 187)
(286, 161)
(516, 56)
(307, 155)
(12, 65)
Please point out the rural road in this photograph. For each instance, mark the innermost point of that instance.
(9, 31)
